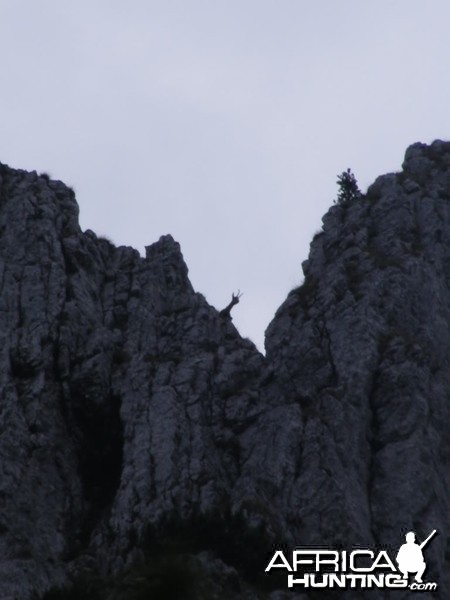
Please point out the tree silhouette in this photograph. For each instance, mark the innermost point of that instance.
(348, 187)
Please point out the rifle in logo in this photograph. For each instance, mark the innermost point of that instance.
(424, 543)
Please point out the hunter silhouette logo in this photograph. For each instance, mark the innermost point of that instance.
(360, 568)
(410, 557)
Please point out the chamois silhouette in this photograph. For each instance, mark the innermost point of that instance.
(226, 312)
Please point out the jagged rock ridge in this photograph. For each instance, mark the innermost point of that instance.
(129, 403)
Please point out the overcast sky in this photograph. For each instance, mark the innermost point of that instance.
(222, 122)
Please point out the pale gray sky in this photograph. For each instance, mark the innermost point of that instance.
(222, 122)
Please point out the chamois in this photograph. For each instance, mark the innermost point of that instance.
(226, 312)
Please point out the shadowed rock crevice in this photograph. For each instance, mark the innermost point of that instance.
(100, 447)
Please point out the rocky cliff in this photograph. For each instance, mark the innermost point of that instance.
(139, 431)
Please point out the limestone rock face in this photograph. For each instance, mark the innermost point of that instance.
(123, 391)
(128, 403)
(363, 347)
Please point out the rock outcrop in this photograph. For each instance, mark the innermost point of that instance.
(133, 412)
